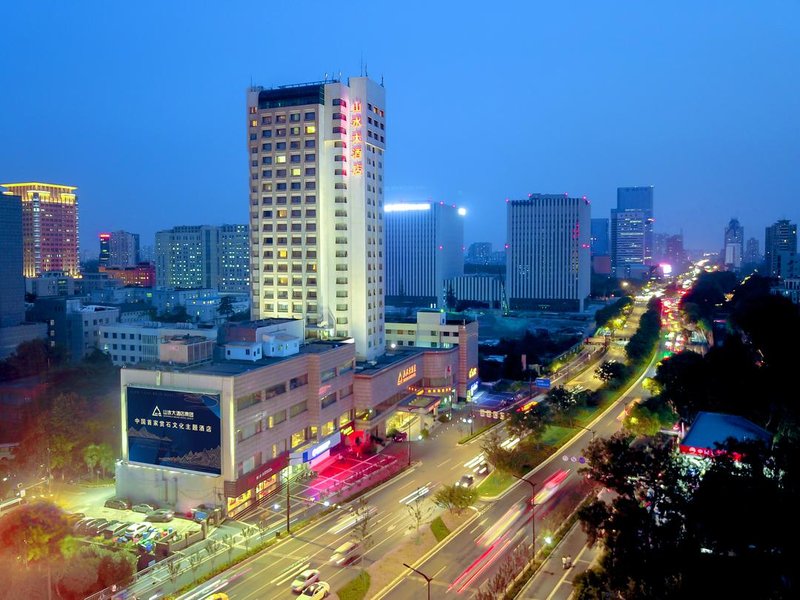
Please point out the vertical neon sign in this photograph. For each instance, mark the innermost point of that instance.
(356, 140)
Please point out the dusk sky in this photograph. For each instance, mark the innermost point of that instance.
(142, 104)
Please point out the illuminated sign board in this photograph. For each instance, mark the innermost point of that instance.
(405, 207)
(406, 374)
(473, 388)
(356, 139)
(472, 372)
(172, 429)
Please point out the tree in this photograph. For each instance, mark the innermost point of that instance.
(91, 456)
(649, 418)
(531, 422)
(194, 563)
(212, 547)
(225, 308)
(418, 512)
(505, 460)
(114, 568)
(362, 532)
(455, 498)
(450, 299)
(561, 400)
(106, 458)
(611, 372)
(35, 532)
(174, 569)
(229, 543)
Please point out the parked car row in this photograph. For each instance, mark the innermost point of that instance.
(122, 532)
(154, 514)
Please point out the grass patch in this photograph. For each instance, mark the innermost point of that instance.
(555, 435)
(355, 589)
(495, 483)
(439, 529)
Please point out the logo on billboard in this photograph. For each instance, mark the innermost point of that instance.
(406, 374)
(156, 412)
(472, 372)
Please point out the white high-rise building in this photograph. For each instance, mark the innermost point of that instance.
(424, 248)
(548, 257)
(316, 155)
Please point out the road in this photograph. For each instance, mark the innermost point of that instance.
(469, 558)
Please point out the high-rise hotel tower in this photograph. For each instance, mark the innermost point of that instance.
(317, 155)
(49, 228)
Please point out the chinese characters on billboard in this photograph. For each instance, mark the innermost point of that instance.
(174, 429)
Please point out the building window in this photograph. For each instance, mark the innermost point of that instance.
(298, 408)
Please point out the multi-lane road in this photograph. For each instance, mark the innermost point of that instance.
(467, 558)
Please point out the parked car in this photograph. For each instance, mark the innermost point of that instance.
(345, 553)
(162, 515)
(81, 524)
(305, 579)
(75, 518)
(400, 436)
(466, 481)
(316, 591)
(95, 527)
(136, 530)
(118, 503)
(143, 508)
(113, 531)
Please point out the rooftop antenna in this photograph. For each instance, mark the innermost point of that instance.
(366, 72)
(362, 63)
(326, 76)
(381, 80)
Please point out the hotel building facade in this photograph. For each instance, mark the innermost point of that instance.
(316, 162)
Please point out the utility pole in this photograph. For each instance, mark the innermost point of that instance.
(288, 507)
(533, 516)
(427, 579)
(408, 440)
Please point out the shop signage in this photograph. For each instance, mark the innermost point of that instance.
(472, 372)
(473, 388)
(347, 429)
(309, 454)
(236, 488)
(406, 374)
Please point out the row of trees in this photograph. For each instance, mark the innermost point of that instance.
(680, 527)
(37, 550)
(612, 311)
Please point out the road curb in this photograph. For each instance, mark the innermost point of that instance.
(453, 534)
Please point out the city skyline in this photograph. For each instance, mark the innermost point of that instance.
(690, 120)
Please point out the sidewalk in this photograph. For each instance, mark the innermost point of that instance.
(552, 581)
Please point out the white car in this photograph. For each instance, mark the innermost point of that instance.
(316, 591)
(305, 579)
(136, 529)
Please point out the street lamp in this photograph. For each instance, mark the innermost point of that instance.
(592, 431)
(408, 439)
(427, 579)
(533, 515)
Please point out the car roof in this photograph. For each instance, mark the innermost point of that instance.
(346, 546)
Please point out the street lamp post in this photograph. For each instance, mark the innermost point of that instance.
(408, 440)
(427, 579)
(288, 507)
(533, 515)
(592, 431)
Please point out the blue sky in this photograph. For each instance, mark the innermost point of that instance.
(141, 104)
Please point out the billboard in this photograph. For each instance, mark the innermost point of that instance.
(173, 429)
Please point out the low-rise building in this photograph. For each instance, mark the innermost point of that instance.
(132, 343)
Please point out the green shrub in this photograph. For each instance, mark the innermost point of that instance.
(439, 529)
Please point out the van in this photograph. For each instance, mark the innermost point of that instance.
(345, 553)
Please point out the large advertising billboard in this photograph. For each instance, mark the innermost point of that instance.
(168, 428)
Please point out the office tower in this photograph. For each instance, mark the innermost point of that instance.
(105, 249)
(600, 241)
(752, 254)
(12, 290)
(120, 249)
(628, 229)
(424, 247)
(49, 228)
(548, 255)
(674, 253)
(640, 199)
(316, 154)
(733, 247)
(203, 256)
(780, 247)
(479, 253)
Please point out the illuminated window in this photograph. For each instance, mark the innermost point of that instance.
(311, 129)
(253, 123)
(294, 130)
(282, 254)
(280, 159)
(281, 213)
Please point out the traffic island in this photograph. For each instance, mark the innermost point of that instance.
(389, 567)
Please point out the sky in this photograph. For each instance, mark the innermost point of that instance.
(142, 104)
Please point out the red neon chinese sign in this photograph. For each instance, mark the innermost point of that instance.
(356, 139)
